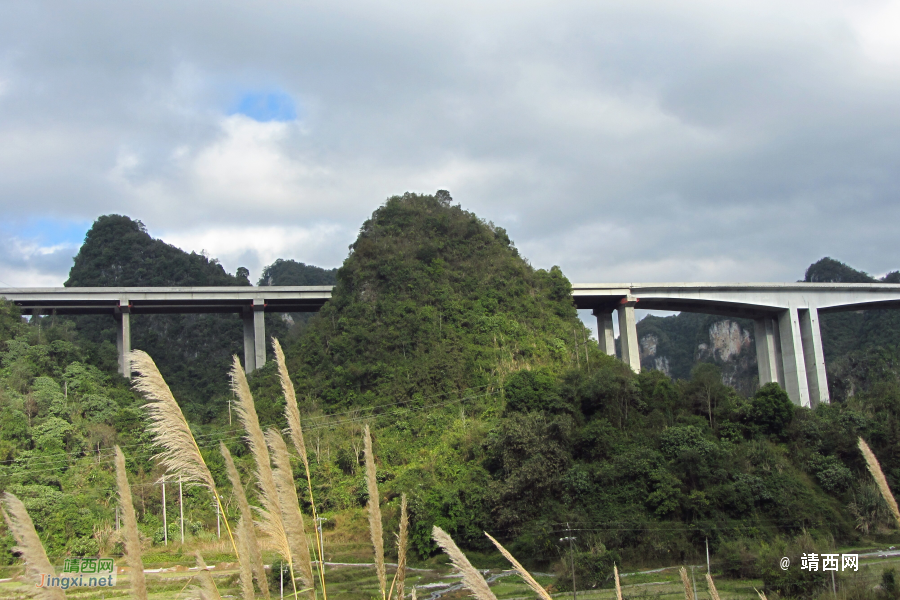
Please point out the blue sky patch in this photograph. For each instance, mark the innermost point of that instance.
(266, 106)
(48, 231)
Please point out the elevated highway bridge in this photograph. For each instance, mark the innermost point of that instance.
(786, 315)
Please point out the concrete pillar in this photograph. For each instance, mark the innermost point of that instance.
(259, 332)
(631, 353)
(605, 333)
(766, 360)
(792, 357)
(123, 338)
(249, 343)
(813, 356)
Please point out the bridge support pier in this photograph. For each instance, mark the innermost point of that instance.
(795, 383)
(123, 338)
(813, 357)
(605, 333)
(254, 336)
(768, 359)
(631, 353)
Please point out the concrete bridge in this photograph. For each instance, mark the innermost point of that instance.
(786, 315)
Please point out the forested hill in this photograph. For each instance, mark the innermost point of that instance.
(118, 251)
(433, 300)
(192, 351)
(677, 344)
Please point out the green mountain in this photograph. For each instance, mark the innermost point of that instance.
(192, 351)
(433, 301)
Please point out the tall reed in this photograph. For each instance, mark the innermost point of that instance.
(374, 509)
(402, 539)
(132, 538)
(712, 587)
(246, 570)
(688, 592)
(250, 544)
(292, 414)
(761, 595)
(270, 521)
(878, 475)
(290, 509)
(618, 583)
(210, 590)
(471, 578)
(171, 433)
(28, 544)
(529, 580)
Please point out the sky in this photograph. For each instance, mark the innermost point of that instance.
(623, 141)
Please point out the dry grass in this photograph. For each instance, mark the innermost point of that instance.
(402, 539)
(29, 545)
(529, 580)
(761, 595)
(290, 509)
(270, 521)
(246, 570)
(688, 592)
(471, 578)
(878, 475)
(618, 583)
(292, 414)
(208, 586)
(374, 509)
(249, 544)
(712, 587)
(132, 538)
(171, 432)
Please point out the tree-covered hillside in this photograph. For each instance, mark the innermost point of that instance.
(488, 410)
(191, 350)
(433, 301)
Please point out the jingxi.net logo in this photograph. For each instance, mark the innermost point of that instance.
(82, 572)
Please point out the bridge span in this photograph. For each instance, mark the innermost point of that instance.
(786, 315)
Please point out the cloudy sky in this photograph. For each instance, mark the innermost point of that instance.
(625, 141)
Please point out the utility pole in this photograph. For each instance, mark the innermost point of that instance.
(571, 541)
(707, 556)
(181, 508)
(165, 522)
(694, 581)
(319, 522)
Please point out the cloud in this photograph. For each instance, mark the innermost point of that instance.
(620, 140)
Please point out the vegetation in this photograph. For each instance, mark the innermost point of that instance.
(486, 409)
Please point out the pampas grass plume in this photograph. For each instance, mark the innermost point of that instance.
(618, 584)
(532, 583)
(290, 507)
(712, 587)
(180, 453)
(270, 521)
(374, 510)
(249, 544)
(688, 593)
(471, 578)
(209, 586)
(761, 595)
(246, 570)
(402, 540)
(29, 545)
(878, 475)
(171, 432)
(132, 538)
